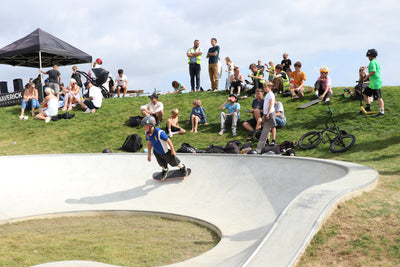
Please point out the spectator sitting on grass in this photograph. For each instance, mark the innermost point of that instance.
(121, 82)
(30, 101)
(323, 86)
(254, 124)
(178, 87)
(154, 108)
(72, 96)
(233, 115)
(173, 124)
(94, 101)
(198, 115)
(50, 106)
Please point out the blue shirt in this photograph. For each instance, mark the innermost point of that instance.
(199, 112)
(215, 58)
(232, 108)
(158, 140)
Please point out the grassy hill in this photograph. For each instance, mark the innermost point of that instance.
(363, 231)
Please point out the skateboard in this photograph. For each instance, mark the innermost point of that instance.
(267, 125)
(315, 101)
(172, 174)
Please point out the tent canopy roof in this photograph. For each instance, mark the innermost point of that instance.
(25, 51)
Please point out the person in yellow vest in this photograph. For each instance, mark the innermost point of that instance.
(257, 77)
(280, 81)
(194, 61)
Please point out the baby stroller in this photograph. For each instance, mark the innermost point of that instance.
(101, 76)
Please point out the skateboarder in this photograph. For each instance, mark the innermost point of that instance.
(163, 148)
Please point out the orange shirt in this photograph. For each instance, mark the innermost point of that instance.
(298, 77)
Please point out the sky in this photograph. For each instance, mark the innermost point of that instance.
(149, 39)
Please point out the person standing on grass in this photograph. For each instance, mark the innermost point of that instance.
(375, 83)
(194, 61)
(54, 78)
(213, 55)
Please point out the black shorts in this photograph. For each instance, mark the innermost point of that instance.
(167, 158)
(173, 129)
(252, 122)
(373, 92)
(89, 104)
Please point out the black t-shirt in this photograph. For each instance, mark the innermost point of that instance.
(287, 63)
(53, 75)
(258, 104)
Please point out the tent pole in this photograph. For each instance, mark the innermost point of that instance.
(40, 72)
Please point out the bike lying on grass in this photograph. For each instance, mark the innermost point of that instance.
(341, 141)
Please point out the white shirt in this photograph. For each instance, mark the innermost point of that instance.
(121, 80)
(153, 108)
(267, 98)
(95, 92)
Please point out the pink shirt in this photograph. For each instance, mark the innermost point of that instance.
(326, 83)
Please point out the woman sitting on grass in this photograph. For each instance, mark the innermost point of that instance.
(198, 115)
(72, 96)
(30, 101)
(50, 106)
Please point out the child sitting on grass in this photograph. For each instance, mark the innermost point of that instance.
(173, 125)
(178, 87)
(198, 115)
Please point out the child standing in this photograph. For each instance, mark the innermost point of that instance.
(198, 115)
(173, 124)
(269, 111)
(375, 82)
(163, 148)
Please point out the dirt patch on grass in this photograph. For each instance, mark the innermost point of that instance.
(364, 231)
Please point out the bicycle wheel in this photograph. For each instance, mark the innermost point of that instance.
(310, 140)
(342, 143)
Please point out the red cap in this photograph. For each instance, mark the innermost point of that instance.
(99, 61)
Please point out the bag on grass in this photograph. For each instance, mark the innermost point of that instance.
(215, 149)
(233, 147)
(132, 143)
(186, 148)
(135, 121)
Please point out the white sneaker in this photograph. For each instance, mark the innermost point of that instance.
(47, 119)
(25, 118)
(221, 132)
(87, 111)
(21, 117)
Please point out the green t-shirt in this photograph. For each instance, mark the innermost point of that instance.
(375, 81)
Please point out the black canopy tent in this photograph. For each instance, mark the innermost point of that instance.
(40, 49)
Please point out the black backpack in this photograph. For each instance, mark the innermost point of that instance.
(233, 147)
(186, 148)
(135, 121)
(132, 143)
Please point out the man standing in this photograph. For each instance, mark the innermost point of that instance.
(212, 55)
(194, 61)
(54, 78)
(286, 63)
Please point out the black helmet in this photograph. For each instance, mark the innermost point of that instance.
(149, 120)
(252, 152)
(106, 150)
(372, 53)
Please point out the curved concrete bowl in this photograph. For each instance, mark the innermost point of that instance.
(265, 208)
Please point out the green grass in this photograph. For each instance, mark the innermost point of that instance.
(361, 220)
(128, 240)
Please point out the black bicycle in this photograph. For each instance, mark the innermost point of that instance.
(340, 140)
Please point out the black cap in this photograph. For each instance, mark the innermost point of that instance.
(86, 84)
(234, 95)
(154, 95)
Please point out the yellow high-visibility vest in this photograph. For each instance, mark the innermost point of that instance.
(198, 58)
